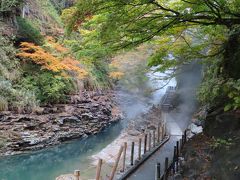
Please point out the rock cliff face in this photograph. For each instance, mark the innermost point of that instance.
(52, 125)
(41, 13)
(82, 115)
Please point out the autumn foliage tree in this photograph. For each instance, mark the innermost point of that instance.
(53, 74)
(52, 63)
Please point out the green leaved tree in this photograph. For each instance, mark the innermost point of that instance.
(181, 31)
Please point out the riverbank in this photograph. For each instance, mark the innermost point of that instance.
(84, 115)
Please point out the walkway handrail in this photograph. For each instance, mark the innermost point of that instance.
(174, 165)
(145, 157)
(152, 142)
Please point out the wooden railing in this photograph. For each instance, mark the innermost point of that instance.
(174, 166)
(151, 143)
(148, 143)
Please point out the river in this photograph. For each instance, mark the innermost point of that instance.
(49, 163)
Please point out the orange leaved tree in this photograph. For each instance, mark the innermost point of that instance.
(50, 62)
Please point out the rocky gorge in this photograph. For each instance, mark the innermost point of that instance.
(51, 125)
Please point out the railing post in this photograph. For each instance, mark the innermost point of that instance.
(162, 131)
(165, 129)
(116, 163)
(158, 133)
(99, 167)
(185, 136)
(177, 146)
(166, 169)
(158, 172)
(180, 145)
(154, 138)
(124, 156)
(150, 141)
(174, 159)
(139, 148)
(77, 174)
(175, 152)
(177, 155)
(145, 143)
(132, 154)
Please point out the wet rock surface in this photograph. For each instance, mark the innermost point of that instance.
(146, 121)
(51, 125)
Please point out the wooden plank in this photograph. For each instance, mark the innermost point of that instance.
(145, 144)
(150, 142)
(139, 148)
(116, 163)
(158, 172)
(124, 156)
(166, 169)
(99, 167)
(132, 153)
(77, 174)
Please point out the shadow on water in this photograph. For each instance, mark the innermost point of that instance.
(49, 163)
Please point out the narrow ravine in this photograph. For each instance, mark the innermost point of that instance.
(112, 90)
(79, 154)
(49, 163)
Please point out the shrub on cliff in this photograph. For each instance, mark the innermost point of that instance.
(49, 87)
(11, 97)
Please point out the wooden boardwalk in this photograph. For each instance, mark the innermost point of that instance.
(167, 100)
(147, 157)
(147, 170)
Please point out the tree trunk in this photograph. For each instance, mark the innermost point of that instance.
(231, 63)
